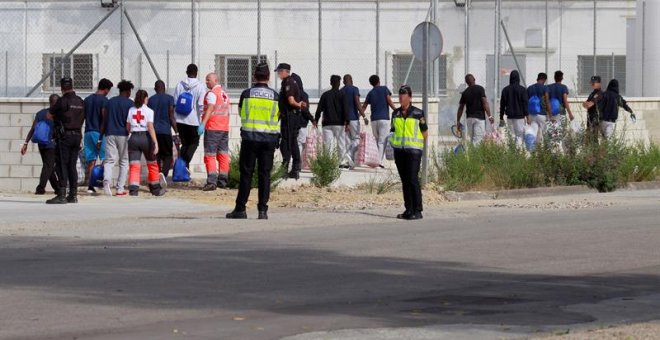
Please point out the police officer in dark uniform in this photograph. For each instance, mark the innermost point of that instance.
(291, 106)
(260, 129)
(410, 131)
(592, 105)
(68, 117)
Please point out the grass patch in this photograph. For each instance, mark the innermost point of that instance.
(605, 166)
(277, 175)
(325, 167)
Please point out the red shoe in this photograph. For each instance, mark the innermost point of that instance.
(121, 194)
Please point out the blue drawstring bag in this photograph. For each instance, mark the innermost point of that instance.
(97, 176)
(534, 105)
(180, 171)
(41, 133)
(555, 106)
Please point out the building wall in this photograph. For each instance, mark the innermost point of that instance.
(349, 43)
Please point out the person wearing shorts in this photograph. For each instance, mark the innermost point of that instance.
(95, 104)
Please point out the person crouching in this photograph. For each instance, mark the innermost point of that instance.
(142, 141)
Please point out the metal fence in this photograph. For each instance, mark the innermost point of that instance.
(146, 40)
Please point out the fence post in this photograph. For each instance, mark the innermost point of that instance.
(6, 73)
(378, 37)
(320, 48)
(258, 31)
(167, 68)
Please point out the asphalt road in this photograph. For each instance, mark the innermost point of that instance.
(165, 269)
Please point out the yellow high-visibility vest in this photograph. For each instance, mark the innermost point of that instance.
(260, 111)
(407, 134)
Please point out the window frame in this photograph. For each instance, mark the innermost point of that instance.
(70, 69)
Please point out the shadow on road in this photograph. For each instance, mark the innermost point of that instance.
(223, 273)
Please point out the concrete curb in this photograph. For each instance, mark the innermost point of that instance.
(642, 186)
(454, 196)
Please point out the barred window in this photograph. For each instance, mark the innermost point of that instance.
(80, 67)
(607, 67)
(401, 65)
(236, 72)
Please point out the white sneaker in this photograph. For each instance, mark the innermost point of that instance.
(106, 189)
(162, 180)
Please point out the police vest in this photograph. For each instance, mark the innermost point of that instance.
(260, 111)
(219, 120)
(407, 134)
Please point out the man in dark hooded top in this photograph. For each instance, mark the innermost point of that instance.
(514, 104)
(609, 109)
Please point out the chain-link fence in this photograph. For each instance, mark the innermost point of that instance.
(318, 38)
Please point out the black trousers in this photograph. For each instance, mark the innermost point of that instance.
(48, 169)
(261, 154)
(408, 163)
(189, 141)
(164, 153)
(67, 156)
(290, 128)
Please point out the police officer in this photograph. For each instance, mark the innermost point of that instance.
(409, 133)
(260, 130)
(592, 105)
(68, 116)
(290, 105)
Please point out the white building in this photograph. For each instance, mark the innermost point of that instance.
(357, 37)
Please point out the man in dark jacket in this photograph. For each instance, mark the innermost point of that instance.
(513, 104)
(592, 105)
(305, 115)
(609, 109)
(335, 119)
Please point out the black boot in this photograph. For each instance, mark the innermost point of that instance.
(73, 195)
(263, 215)
(59, 199)
(133, 190)
(237, 215)
(294, 174)
(156, 190)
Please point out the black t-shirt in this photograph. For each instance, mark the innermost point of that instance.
(289, 88)
(471, 98)
(596, 96)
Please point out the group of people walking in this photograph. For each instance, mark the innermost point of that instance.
(120, 131)
(539, 104)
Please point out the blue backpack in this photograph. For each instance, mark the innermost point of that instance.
(41, 133)
(534, 105)
(180, 171)
(185, 102)
(97, 176)
(555, 106)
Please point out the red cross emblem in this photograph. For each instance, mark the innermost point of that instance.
(138, 117)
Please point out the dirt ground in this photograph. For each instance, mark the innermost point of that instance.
(642, 331)
(310, 197)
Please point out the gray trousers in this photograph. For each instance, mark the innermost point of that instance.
(333, 138)
(116, 152)
(352, 141)
(381, 129)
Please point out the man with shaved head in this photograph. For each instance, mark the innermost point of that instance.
(215, 127)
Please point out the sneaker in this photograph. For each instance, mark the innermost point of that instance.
(209, 187)
(237, 215)
(91, 191)
(415, 216)
(121, 193)
(72, 199)
(106, 189)
(162, 180)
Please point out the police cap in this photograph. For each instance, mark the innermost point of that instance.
(596, 79)
(66, 81)
(283, 66)
(405, 89)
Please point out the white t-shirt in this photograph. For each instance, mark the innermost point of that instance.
(138, 118)
(211, 98)
(198, 90)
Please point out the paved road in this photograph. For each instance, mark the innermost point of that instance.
(165, 269)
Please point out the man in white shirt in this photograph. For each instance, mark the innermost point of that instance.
(188, 123)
